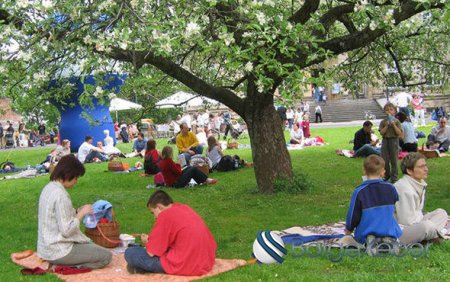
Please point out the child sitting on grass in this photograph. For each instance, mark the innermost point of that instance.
(372, 206)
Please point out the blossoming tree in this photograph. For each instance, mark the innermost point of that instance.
(237, 52)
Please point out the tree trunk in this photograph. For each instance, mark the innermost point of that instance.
(270, 155)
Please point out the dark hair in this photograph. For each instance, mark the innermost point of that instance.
(151, 144)
(410, 160)
(367, 123)
(141, 134)
(159, 197)
(401, 116)
(87, 138)
(68, 168)
(167, 152)
(212, 142)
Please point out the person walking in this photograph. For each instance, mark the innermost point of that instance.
(318, 113)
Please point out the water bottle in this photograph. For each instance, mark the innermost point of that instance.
(236, 163)
(28, 166)
(89, 220)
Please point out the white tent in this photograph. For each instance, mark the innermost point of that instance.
(183, 99)
(118, 104)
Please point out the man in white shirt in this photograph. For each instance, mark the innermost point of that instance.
(403, 100)
(88, 153)
(439, 137)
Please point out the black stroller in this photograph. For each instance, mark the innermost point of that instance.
(9, 138)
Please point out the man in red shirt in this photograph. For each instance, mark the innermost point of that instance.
(179, 243)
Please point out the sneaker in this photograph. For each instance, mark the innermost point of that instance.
(212, 181)
(371, 245)
(392, 243)
(134, 270)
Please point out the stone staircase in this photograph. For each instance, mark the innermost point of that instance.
(342, 110)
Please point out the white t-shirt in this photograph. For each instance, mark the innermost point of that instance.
(403, 99)
(297, 134)
(84, 150)
(214, 155)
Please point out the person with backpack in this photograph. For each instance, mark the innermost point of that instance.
(151, 159)
(220, 161)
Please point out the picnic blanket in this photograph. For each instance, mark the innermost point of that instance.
(117, 270)
(307, 142)
(29, 173)
(428, 153)
(328, 233)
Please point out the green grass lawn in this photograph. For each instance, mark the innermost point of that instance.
(235, 212)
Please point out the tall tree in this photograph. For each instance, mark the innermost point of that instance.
(237, 52)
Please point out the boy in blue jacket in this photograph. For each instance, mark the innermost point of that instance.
(371, 211)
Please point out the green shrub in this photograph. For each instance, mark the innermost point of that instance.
(299, 183)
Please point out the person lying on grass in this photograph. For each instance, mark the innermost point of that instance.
(411, 189)
(60, 240)
(371, 211)
(175, 177)
(179, 243)
(220, 161)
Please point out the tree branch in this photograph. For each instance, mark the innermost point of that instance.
(221, 94)
(305, 12)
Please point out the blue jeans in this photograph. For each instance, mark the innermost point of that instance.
(197, 150)
(137, 257)
(367, 150)
(94, 154)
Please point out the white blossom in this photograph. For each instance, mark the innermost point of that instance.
(261, 18)
(372, 25)
(112, 95)
(98, 91)
(40, 76)
(260, 86)
(123, 45)
(289, 26)
(192, 29)
(248, 67)
(269, 3)
(87, 39)
(23, 3)
(167, 47)
(47, 4)
(100, 47)
(2, 69)
(21, 55)
(134, 4)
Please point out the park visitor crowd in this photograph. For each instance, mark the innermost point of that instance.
(181, 243)
(17, 135)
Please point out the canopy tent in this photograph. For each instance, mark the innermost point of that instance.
(118, 104)
(185, 100)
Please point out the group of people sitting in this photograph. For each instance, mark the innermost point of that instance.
(180, 242)
(365, 141)
(381, 212)
(180, 173)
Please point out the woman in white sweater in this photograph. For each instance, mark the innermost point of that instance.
(60, 240)
(411, 190)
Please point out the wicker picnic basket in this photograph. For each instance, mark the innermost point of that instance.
(105, 234)
(117, 165)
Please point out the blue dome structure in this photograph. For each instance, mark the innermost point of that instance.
(74, 125)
